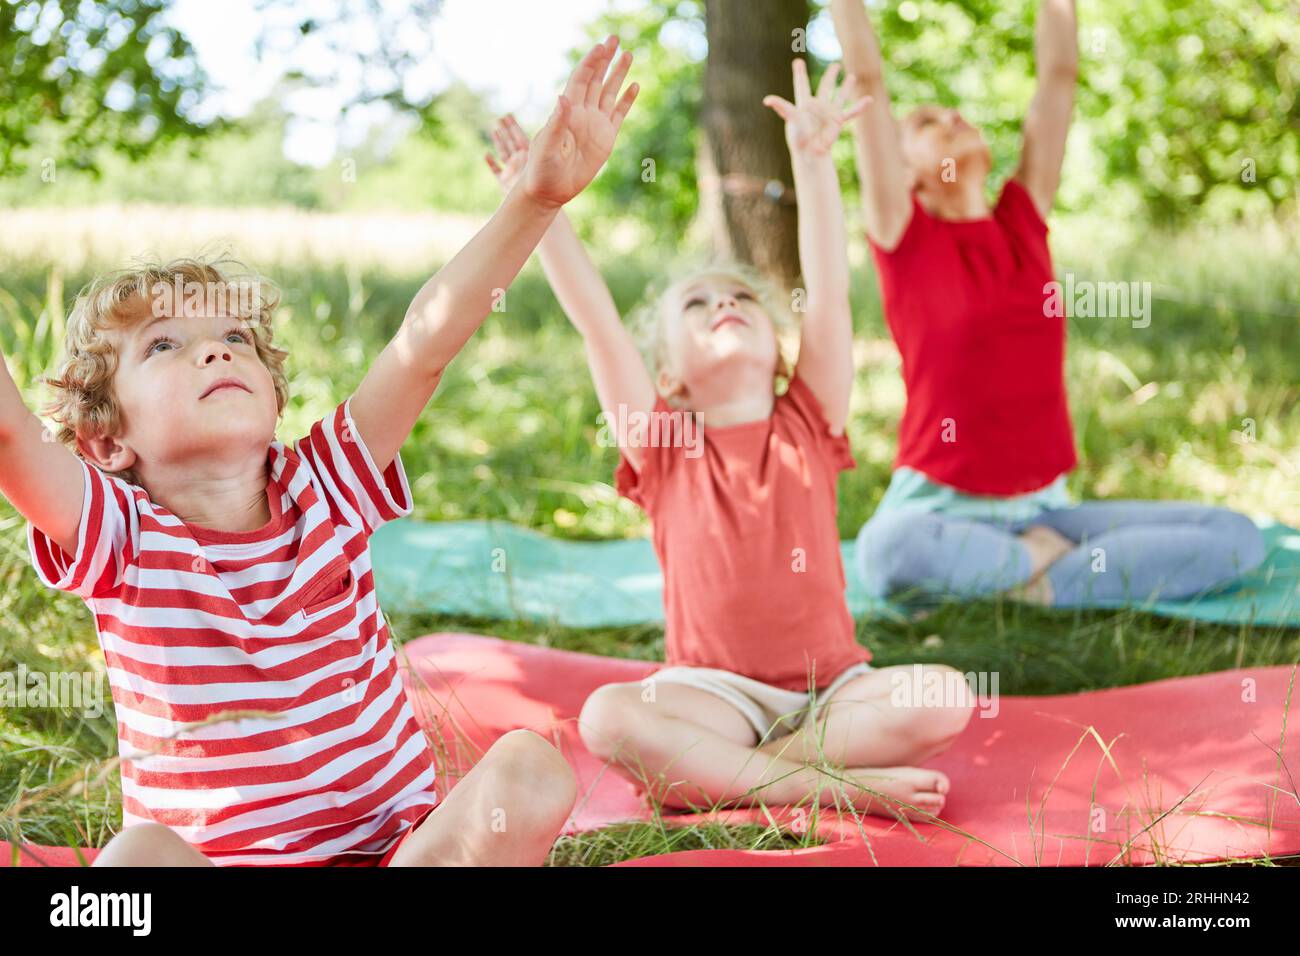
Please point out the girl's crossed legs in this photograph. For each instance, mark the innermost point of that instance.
(693, 749)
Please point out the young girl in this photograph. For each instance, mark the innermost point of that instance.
(978, 501)
(765, 681)
(261, 716)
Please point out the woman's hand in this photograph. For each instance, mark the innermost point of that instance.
(813, 123)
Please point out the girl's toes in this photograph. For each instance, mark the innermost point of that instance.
(923, 806)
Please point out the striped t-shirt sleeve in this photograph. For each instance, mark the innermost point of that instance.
(357, 492)
(107, 538)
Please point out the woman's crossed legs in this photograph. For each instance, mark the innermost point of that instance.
(1094, 552)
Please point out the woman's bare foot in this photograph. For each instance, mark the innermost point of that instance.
(882, 790)
(1046, 546)
(1037, 590)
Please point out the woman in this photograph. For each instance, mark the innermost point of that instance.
(978, 503)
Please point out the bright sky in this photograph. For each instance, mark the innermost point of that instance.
(513, 50)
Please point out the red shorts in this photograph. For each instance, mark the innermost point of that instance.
(371, 859)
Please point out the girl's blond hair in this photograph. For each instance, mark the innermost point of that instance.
(83, 402)
(647, 319)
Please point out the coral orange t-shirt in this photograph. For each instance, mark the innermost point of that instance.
(744, 528)
(983, 360)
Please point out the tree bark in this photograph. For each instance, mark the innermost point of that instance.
(751, 44)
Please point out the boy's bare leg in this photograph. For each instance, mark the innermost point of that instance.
(507, 811)
(149, 844)
(695, 751)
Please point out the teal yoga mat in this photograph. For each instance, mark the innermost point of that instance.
(492, 569)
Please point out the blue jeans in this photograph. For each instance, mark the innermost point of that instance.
(1130, 551)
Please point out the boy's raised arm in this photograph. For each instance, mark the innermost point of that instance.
(38, 476)
(1047, 124)
(812, 124)
(617, 367)
(566, 156)
(882, 172)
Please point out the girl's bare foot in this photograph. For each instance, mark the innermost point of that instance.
(882, 791)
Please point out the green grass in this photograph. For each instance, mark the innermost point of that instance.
(1162, 412)
(626, 841)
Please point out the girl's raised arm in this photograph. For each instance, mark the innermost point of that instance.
(617, 367)
(812, 124)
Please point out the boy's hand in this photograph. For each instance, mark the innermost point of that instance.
(577, 139)
(813, 123)
(512, 147)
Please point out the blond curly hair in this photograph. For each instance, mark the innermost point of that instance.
(648, 319)
(83, 403)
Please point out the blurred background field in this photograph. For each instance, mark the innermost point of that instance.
(1200, 405)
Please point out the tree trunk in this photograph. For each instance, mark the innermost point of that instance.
(751, 44)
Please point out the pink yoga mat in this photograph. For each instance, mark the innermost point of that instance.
(1196, 770)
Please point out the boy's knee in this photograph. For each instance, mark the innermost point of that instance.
(883, 551)
(532, 755)
(144, 844)
(533, 774)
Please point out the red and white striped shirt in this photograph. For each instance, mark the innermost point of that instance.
(195, 622)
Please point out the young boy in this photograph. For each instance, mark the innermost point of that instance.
(261, 717)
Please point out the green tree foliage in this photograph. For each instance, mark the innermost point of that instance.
(1197, 103)
(369, 49)
(105, 72)
(1186, 109)
(651, 173)
(432, 166)
(401, 164)
(1177, 98)
(240, 164)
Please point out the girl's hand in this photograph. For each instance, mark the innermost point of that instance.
(512, 152)
(813, 123)
(575, 142)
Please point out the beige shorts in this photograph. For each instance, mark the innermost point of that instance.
(773, 711)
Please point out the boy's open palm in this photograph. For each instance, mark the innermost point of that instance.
(813, 123)
(569, 150)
